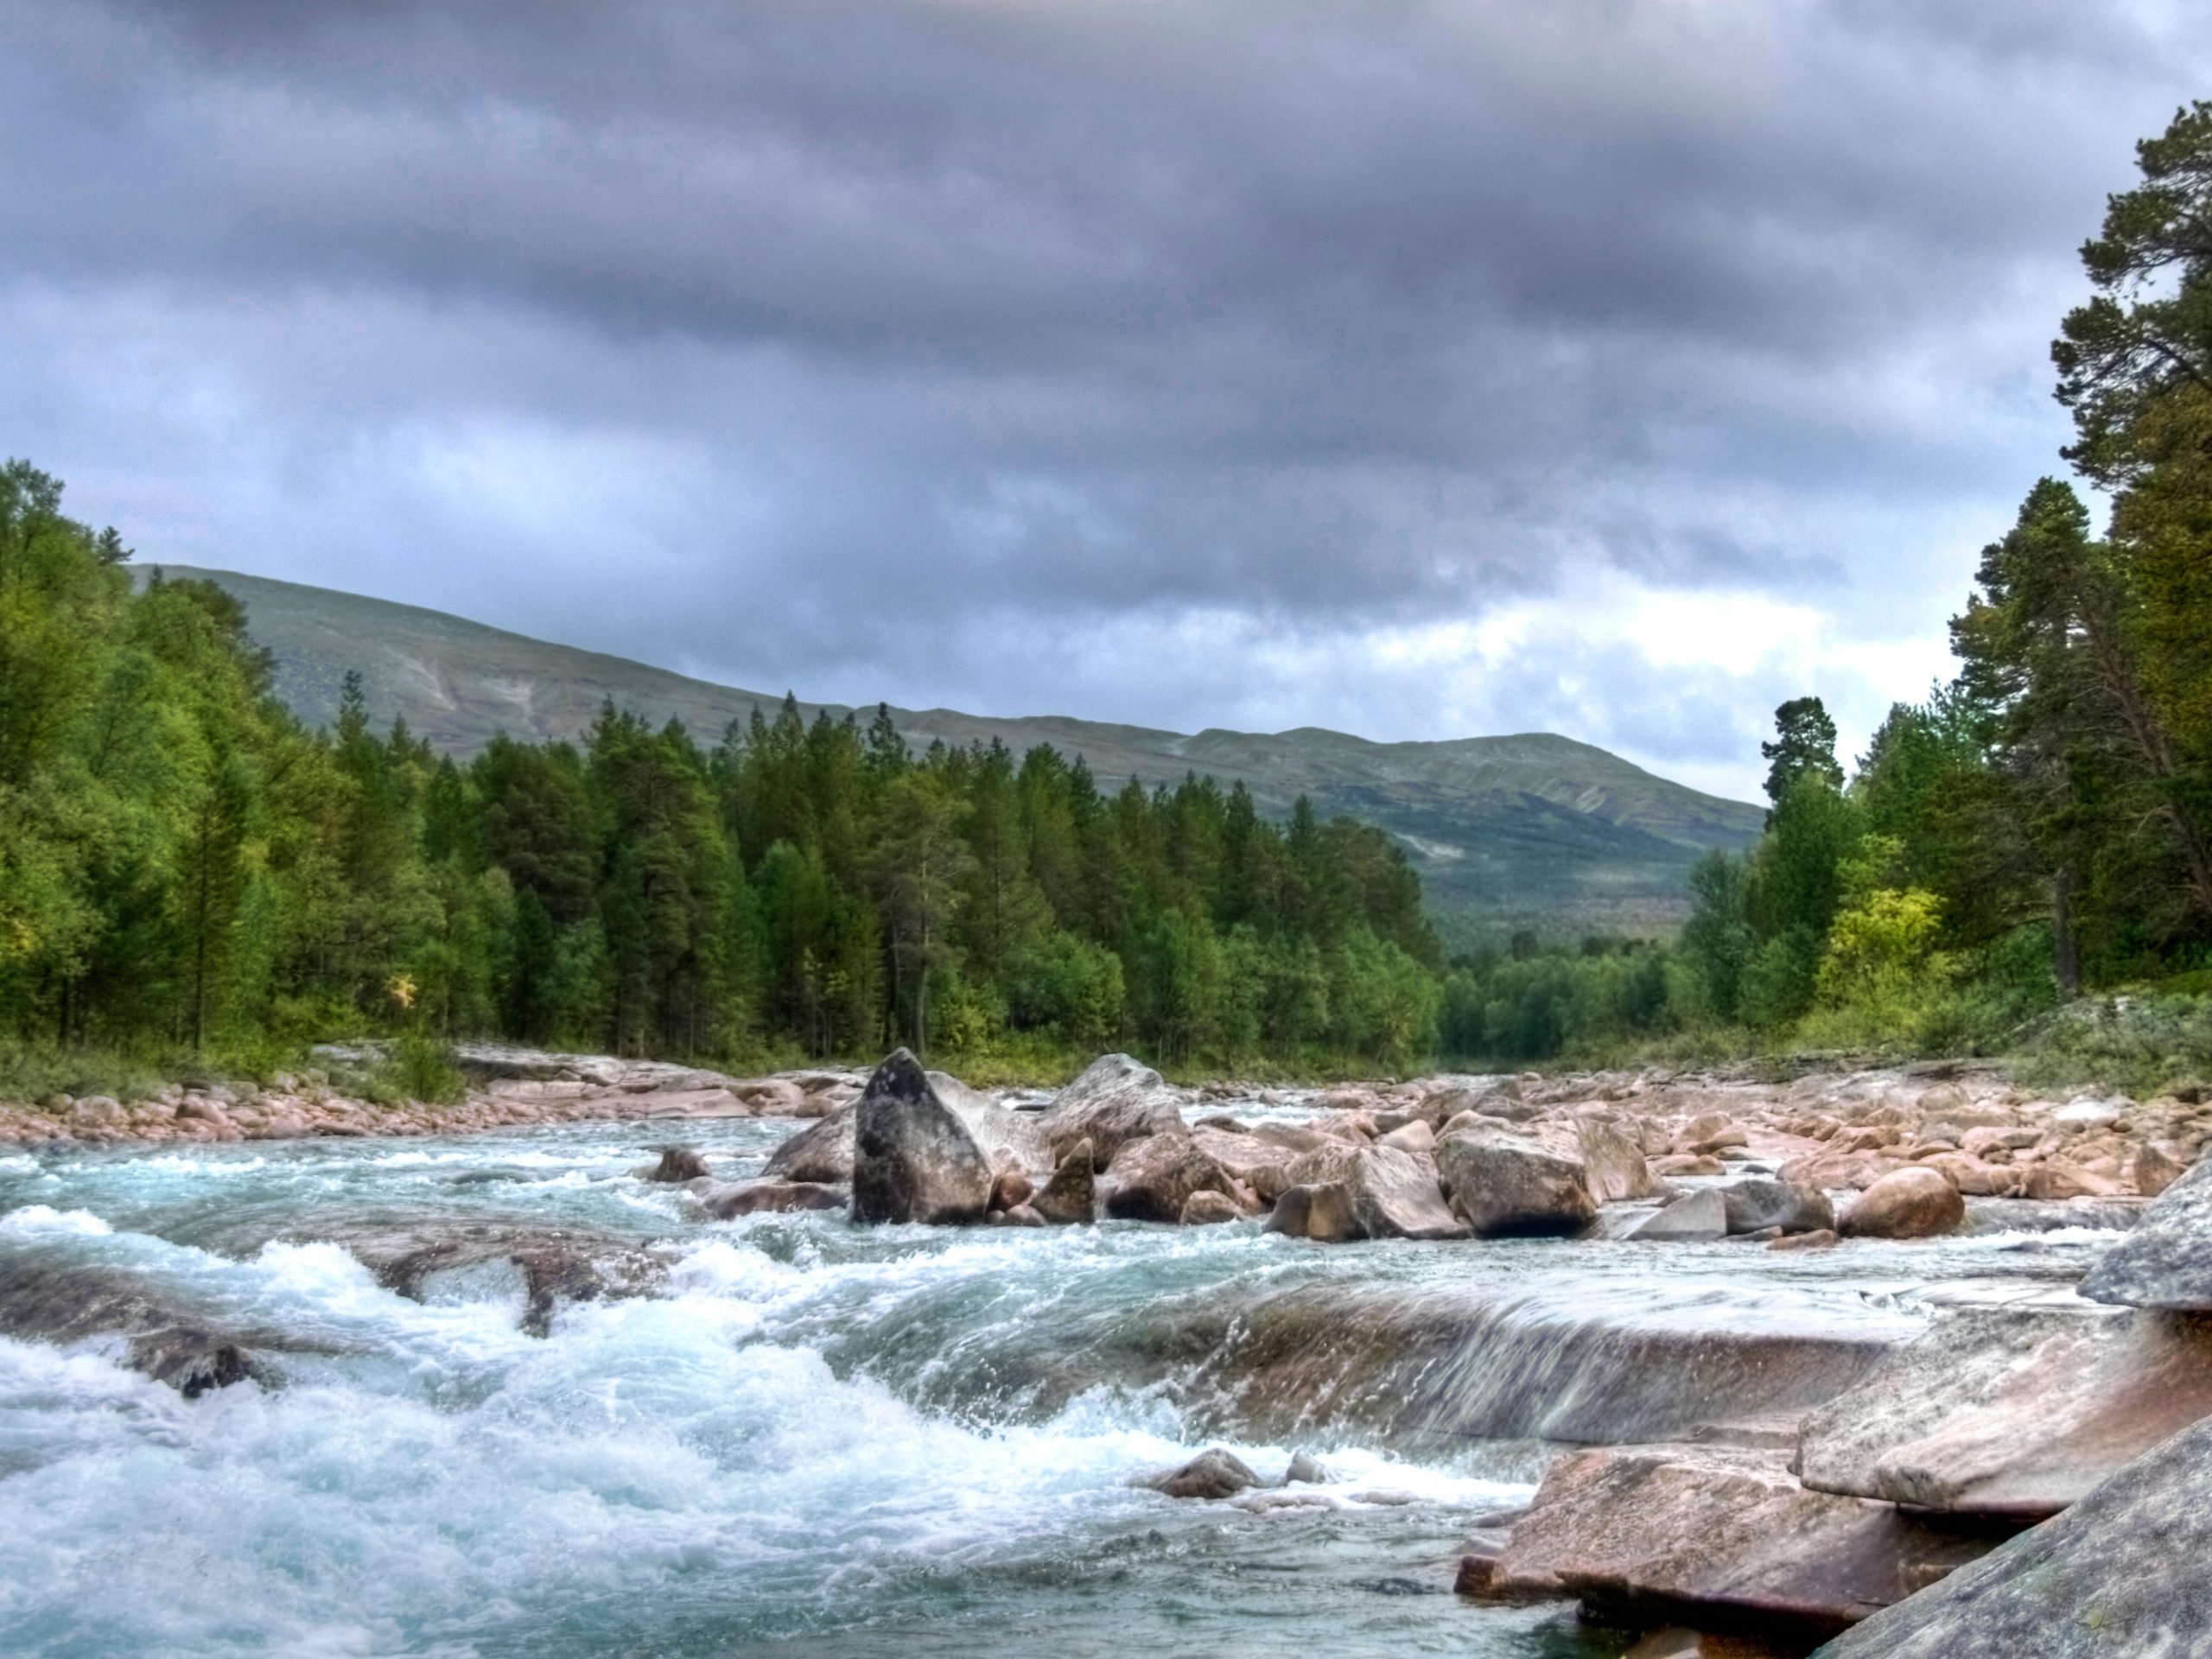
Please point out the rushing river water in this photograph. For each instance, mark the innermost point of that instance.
(820, 1440)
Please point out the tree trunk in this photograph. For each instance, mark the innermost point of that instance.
(2066, 954)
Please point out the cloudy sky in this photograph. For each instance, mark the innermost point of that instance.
(1613, 367)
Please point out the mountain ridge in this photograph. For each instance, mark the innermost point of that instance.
(1521, 828)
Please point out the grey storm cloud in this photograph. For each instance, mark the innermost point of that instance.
(1182, 360)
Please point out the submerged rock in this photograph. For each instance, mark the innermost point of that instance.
(913, 1159)
(1115, 1100)
(557, 1264)
(737, 1198)
(195, 1363)
(1710, 1534)
(1503, 1184)
(2166, 1262)
(676, 1166)
(1907, 1203)
(1216, 1474)
(1070, 1197)
(2121, 1572)
(2016, 1411)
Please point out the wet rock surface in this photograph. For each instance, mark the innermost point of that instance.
(2016, 1410)
(1214, 1474)
(2121, 1572)
(1723, 1537)
(2166, 1262)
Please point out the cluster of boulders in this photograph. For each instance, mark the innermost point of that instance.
(1895, 1513)
(1446, 1159)
(583, 1088)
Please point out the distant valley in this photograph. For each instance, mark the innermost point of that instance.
(1526, 830)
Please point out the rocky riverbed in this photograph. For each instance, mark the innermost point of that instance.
(614, 1356)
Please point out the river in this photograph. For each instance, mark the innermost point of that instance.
(815, 1439)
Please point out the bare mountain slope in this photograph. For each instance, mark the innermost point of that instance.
(1506, 831)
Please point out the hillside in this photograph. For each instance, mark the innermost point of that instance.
(1532, 829)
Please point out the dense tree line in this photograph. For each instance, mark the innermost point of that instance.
(180, 858)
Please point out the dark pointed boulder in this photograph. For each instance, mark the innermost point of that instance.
(913, 1159)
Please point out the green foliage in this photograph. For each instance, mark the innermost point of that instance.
(423, 1069)
(1804, 746)
(185, 870)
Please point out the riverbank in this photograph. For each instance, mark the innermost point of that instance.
(1967, 1121)
(743, 1419)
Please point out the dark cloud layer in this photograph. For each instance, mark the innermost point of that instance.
(1610, 365)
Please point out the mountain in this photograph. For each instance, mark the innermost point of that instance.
(1533, 829)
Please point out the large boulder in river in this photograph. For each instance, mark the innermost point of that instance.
(1395, 1194)
(1339, 1194)
(1758, 1202)
(1007, 1139)
(1910, 1203)
(1503, 1185)
(2124, 1571)
(1115, 1100)
(1070, 1197)
(2167, 1261)
(1154, 1179)
(822, 1152)
(913, 1159)
(1718, 1537)
(1612, 1169)
(2012, 1410)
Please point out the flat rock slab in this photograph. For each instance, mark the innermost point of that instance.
(2166, 1262)
(2125, 1574)
(2012, 1411)
(1719, 1537)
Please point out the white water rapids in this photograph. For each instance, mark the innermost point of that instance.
(815, 1439)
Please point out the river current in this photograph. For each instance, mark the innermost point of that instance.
(817, 1440)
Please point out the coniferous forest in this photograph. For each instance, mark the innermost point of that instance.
(184, 861)
(184, 867)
